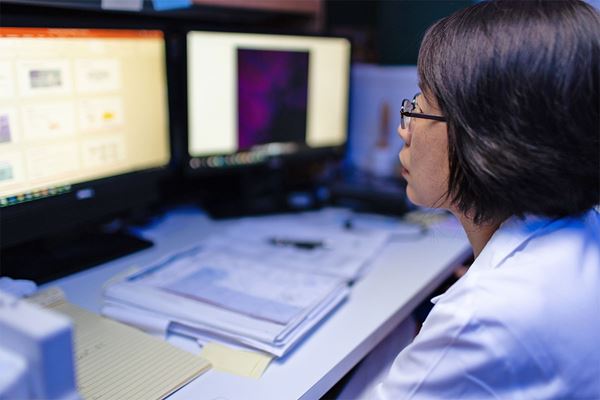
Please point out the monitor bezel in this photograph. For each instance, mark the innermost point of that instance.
(106, 197)
(275, 161)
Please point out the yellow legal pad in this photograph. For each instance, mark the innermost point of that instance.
(115, 361)
(238, 362)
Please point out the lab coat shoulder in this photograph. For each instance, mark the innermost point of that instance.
(520, 324)
(454, 356)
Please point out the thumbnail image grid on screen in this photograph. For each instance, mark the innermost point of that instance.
(78, 105)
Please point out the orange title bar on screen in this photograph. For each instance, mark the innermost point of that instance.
(79, 33)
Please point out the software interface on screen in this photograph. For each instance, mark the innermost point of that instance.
(78, 105)
(251, 95)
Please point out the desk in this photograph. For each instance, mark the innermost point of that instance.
(402, 276)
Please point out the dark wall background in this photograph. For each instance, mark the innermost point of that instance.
(387, 32)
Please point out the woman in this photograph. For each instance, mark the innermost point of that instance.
(505, 135)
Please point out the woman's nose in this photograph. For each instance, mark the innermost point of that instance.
(404, 134)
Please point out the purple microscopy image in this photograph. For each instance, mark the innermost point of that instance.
(272, 96)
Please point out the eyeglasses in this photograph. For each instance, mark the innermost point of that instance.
(406, 113)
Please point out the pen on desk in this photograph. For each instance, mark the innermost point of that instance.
(300, 244)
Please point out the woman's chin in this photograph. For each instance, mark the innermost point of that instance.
(412, 196)
(428, 201)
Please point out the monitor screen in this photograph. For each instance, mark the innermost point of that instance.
(254, 96)
(83, 112)
(78, 105)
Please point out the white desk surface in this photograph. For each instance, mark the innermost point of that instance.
(402, 276)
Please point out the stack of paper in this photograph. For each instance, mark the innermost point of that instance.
(257, 282)
(221, 297)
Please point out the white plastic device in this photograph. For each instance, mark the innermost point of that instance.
(36, 352)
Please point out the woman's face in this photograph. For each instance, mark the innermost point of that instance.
(424, 157)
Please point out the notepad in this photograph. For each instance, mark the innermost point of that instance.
(115, 361)
(235, 361)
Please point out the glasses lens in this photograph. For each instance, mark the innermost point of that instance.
(407, 107)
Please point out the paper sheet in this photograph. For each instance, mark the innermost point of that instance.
(343, 253)
(115, 361)
(235, 361)
(246, 286)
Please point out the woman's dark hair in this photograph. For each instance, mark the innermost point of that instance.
(518, 82)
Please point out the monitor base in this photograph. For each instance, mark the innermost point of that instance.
(260, 191)
(253, 207)
(49, 259)
(367, 193)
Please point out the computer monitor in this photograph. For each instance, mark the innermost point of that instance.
(252, 97)
(84, 127)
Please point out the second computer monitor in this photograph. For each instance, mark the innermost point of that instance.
(255, 96)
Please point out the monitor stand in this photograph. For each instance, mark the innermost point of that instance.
(364, 192)
(257, 191)
(52, 258)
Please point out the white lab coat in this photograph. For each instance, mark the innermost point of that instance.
(523, 323)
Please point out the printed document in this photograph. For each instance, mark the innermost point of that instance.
(340, 252)
(240, 284)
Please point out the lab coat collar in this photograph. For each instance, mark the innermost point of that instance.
(510, 237)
